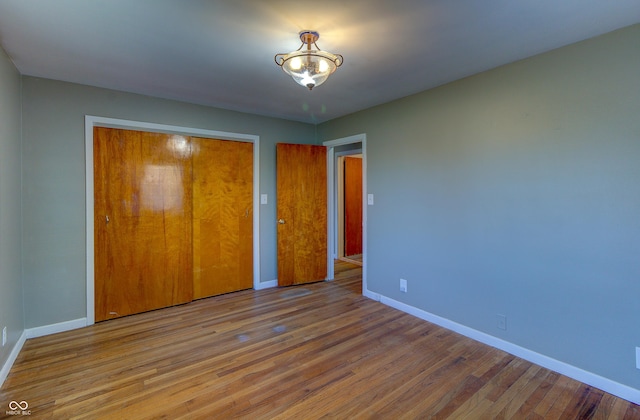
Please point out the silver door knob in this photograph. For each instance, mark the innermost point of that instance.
(281, 221)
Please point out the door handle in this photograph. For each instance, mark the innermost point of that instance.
(106, 219)
(281, 221)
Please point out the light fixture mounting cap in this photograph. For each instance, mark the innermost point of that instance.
(309, 37)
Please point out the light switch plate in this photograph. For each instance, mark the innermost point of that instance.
(501, 322)
(370, 199)
(263, 198)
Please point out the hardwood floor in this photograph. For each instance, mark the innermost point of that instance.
(311, 351)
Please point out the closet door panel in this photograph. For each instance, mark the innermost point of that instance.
(142, 221)
(222, 216)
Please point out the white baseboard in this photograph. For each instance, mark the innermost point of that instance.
(619, 390)
(4, 372)
(56, 328)
(38, 332)
(267, 284)
(374, 296)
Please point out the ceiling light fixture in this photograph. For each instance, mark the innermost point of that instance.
(309, 68)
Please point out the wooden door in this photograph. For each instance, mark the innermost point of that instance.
(142, 219)
(222, 216)
(352, 206)
(302, 213)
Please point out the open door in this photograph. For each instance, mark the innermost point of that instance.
(302, 213)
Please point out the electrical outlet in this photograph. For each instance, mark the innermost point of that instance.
(501, 322)
(4, 336)
(403, 285)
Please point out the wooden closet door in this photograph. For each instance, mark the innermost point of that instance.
(142, 219)
(222, 216)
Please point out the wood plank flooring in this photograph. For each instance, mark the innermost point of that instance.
(304, 352)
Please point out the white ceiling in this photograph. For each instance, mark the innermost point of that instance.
(220, 53)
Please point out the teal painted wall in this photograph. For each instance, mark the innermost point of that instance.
(517, 192)
(54, 181)
(11, 303)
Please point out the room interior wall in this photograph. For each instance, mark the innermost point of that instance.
(515, 193)
(11, 303)
(54, 182)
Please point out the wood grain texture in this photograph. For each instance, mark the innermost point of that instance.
(352, 206)
(222, 216)
(305, 352)
(302, 205)
(142, 219)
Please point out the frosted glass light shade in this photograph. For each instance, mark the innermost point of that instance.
(309, 67)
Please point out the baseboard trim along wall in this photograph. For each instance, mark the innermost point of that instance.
(56, 328)
(4, 372)
(38, 332)
(267, 284)
(619, 390)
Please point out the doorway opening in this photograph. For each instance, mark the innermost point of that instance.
(349, 206)
(338, 151)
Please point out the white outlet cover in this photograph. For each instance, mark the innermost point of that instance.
(403, 285)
